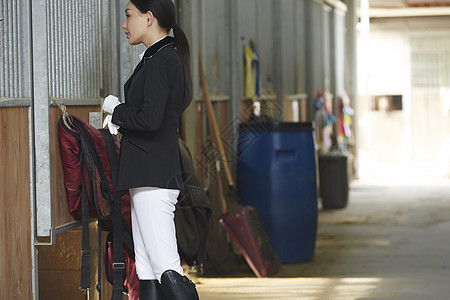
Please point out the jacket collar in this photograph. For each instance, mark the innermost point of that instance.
(167, 41)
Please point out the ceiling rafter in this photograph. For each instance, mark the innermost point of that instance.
(408, 3)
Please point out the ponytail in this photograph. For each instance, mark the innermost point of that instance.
(184, 51)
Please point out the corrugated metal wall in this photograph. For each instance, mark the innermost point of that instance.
(14, 50)
(277, 29)
(74, 46)
(129, 55)
(300, 46)
(215, 41)
(292, 38)
(338, 30)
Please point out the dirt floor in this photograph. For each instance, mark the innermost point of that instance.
(391, 242)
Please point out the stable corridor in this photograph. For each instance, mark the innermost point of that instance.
(391, 242)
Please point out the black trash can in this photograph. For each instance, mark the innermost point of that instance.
(333, 180)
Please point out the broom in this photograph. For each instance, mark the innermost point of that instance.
(243, 224)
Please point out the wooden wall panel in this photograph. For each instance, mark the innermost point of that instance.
(15, 209)
(60, 267)
(60, 212)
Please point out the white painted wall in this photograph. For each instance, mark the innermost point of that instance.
(416, 140)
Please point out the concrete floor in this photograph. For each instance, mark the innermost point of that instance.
(391, 242)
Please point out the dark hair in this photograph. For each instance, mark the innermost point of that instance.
(164, 11)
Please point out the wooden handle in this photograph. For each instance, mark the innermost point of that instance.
(213, 122)
(223, 201)
(199, 140)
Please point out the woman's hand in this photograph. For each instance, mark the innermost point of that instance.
(113, 128)
(110, 103)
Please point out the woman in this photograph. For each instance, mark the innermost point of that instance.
(149, 161)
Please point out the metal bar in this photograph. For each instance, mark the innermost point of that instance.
(15, 102)
(236, 72)
(189, 19)
(277, 49)
(39, 115)
(51, 41)
(99, 53)
(408, 12)
(350, 57)
(25, 48)
(41, 112)
(314, 59)
(17, 84)
(115, 86)
(123, 51)
(66, 62)
(333, 56)
(2, 54)
(60, 229)
(75, 102)
(8, 58)
(296, 96)
(325, 46)
(214, 98)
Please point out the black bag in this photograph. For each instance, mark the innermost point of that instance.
(192, 213)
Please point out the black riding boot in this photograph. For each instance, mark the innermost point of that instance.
(150, 290)
(177, 287)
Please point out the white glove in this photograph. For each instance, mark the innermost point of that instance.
(110, 103)
(113, 128)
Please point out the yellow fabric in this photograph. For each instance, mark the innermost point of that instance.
(249, 80)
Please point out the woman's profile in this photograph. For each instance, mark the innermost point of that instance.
(149, 161)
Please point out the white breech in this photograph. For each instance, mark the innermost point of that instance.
(155, 242)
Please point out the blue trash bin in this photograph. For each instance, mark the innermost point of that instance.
(277, 175)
